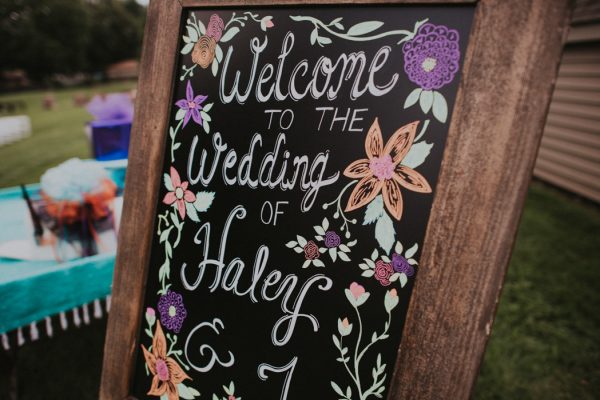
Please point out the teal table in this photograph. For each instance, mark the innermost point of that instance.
(32, 291)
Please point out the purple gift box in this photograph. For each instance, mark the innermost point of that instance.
(110, 139)
(112, 127)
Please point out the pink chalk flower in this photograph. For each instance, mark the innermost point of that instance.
(344, 326)
(266, 22)
(356, 294)
(356, 290)
(178, 193)
(150, 316)
(391, 300)
(215, 27)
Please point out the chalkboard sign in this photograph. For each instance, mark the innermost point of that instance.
(297, 170)
(300, 167)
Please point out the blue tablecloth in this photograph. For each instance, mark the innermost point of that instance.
(33, 290)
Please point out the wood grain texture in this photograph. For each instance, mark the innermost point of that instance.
(141, 189)
(510, 68)
(242, 3)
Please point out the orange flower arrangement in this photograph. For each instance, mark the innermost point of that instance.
(70, 211)
(167, 373)
(383, 172)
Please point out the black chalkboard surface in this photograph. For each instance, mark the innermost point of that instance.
(300, 166)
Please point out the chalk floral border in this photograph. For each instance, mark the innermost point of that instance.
(387, 270)
(377, 185)
(431, 55)
(330, 243)
(163, 359)
(204, 42)
(351, 354)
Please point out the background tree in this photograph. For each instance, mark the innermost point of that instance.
(47, 37)
(116, 29)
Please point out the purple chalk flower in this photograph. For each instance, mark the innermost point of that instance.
(172, 311)
(431, 57)
(332, 239)
(401, 265)
(192, 105)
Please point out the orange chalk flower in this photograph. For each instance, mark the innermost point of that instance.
(383, 172)
(167, 373)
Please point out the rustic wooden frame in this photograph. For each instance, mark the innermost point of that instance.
(508, 76)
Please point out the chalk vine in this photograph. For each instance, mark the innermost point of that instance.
(361, 32)
(352, 354)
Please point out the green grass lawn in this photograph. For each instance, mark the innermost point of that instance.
(545, 342)
(57, 135)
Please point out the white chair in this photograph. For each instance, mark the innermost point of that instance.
(14, 128)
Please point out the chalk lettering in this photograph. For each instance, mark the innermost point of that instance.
(327, 77)
(288, 369)
(229, 277)
(214, 358)
(308, 175)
